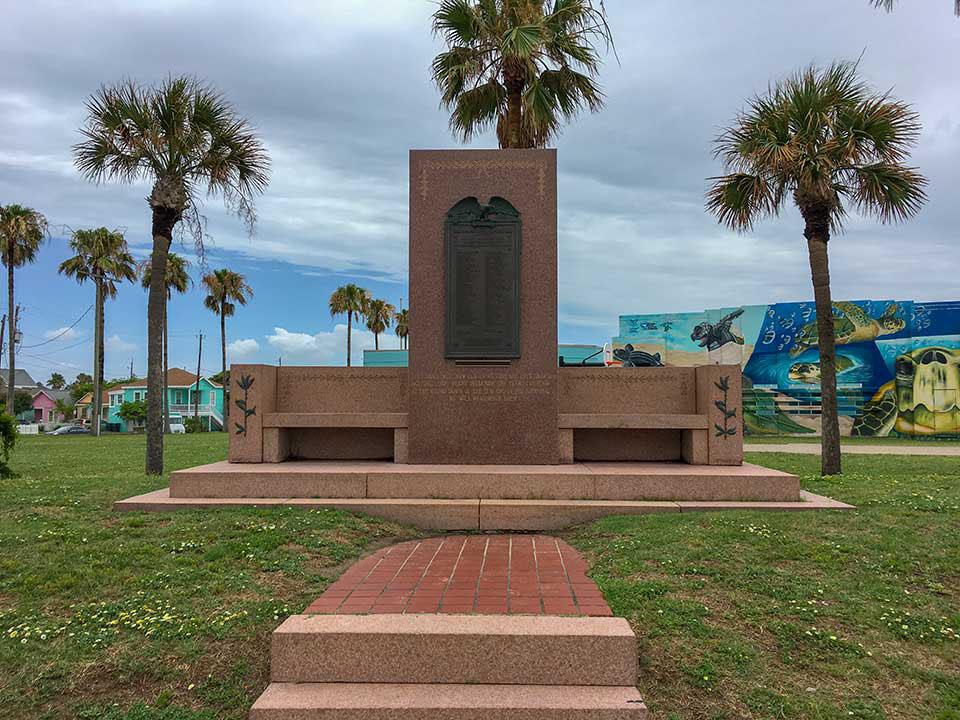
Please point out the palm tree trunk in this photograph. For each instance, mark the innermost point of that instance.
(166, 370)
(513, 78)
(163, 221)
(97, 360)
(103, 310)
(12, 318)
(514, 116)
(223, 358)
(349, 327)
(817, 233)
(376, 341)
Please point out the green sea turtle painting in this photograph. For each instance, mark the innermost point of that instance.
(922, 399)
(851, 325)
(809, 372)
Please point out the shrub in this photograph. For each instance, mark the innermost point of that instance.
(133, 411)
(22, 402)
(194, 425)
(8, 438)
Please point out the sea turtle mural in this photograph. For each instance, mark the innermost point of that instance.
(809, 372)
(922, 399)
(716, 335)
(631, 357)
(851, 324)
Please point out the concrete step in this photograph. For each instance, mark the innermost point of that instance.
(343, 701)
(466, 649)
(578, 481)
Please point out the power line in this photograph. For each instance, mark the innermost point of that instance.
(46, 362)
(67, 347)
(62, 332)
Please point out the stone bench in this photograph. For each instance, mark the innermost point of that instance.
(662, 414)
(651, 414)
(694, 427)
(279, 441)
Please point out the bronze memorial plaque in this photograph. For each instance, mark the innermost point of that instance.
(482, 247)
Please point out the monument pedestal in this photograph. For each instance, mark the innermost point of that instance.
(482, 375)
(484, 430)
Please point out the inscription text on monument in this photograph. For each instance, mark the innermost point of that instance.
(482, 280)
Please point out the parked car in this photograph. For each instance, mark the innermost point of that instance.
(71, 430)
(178, 428)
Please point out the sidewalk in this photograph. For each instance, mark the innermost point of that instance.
(814, 449)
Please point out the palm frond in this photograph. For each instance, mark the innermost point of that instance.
(476, 110)
(822, 135)
(456, 22)
(521, 41)
(182, 135)
(739, 200)
(544, 51)
(891, 192)
(22, 231)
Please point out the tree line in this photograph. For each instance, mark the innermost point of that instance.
(102, 257)
(357, 303)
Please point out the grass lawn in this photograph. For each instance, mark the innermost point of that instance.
(806, 615)
(102, 611)
(140, 616)
(847, 440)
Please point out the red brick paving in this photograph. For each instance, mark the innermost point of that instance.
(484, 574)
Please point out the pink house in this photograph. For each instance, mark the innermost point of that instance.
(44, 405)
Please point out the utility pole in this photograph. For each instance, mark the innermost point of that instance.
(196, 394)
(131, 368)
(3, 329)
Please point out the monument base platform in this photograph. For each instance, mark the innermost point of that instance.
(483, 497)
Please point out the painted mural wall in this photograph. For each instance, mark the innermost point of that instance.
(898, 362)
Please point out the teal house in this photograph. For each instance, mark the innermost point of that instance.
(186, 396)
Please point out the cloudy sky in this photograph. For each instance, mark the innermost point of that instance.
(340, 91)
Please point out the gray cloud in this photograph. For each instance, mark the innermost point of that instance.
(340, 91)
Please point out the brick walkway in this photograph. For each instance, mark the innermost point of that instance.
(488, 575)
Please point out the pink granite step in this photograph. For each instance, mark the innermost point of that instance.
(428, 514)
(542, 515)
(343, 701)
(466, 649)
(656, 481)
(476, 514)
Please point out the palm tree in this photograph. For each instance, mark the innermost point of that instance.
(22, 231)
(225, 287)
(822, 138)
(177, 278)
(103, 258)
(402, 328)
(352, 300)
(379, 314)
(188, 141)
(56, 381)
(525, 66)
